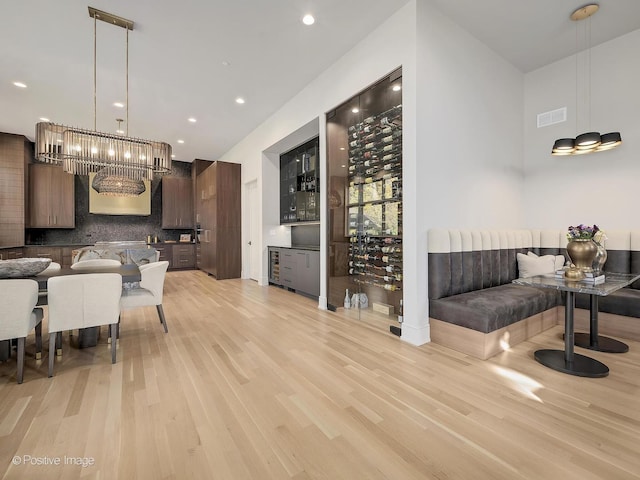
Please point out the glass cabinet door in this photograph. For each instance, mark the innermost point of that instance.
(299, 184)
(364, 161)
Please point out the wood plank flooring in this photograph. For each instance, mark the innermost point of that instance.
(257, 383)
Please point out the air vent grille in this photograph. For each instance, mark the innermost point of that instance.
(552, 117)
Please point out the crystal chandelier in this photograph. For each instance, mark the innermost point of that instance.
(81, 151)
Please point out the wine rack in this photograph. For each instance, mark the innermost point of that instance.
(374, 220)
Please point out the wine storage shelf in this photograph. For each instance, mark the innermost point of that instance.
(374, 200)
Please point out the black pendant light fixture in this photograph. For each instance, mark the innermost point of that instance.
(591, 141)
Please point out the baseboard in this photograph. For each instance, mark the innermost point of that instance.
(486, 345)
(416, 335)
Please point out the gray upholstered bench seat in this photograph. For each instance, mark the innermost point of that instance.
(624, 302)
(490, 309)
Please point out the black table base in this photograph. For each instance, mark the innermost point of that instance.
(601, 344)
(568, 361)
(581, 366)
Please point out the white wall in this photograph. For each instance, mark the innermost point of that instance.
(470, 141)
(596, 188)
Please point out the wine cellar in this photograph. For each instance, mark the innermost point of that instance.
(364, 158)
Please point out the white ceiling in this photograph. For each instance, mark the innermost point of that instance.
(178, 48)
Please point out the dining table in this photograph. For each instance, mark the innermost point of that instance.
(567, 361)
(87, 337)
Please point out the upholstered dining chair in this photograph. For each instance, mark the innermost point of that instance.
(150, 291)
(18, 316)
(96, 262)
(83, 301)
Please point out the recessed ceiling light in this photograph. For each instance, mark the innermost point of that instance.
(396, 88)
(180, 141)
(226, 63)
(355, 109)
(121, 132)
(192, 120)
(343, 166)
(44, 119)
(341, 148)
(240, 100)
(118, 104)
(308, 19)
(20, 84)
(173, 156)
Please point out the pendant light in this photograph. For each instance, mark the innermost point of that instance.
(82, 151)
(590, 141)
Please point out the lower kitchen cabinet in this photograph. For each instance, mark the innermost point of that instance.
(11, 253)
(184, 256)
(295, 269)
(54, 253)
(179, 256)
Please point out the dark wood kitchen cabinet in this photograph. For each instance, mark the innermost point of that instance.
(54, 253)
(15, 154)
(177, 202)
(51, 197)
(218, 213)
(184, 256)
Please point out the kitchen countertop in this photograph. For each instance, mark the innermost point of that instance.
(315, 248)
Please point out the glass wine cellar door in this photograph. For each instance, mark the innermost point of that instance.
(364, 160)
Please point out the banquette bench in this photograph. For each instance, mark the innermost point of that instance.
(475, 309)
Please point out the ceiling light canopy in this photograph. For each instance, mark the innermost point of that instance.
(590, 141)
(80, 151)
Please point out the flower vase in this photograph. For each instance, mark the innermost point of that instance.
(600, 259)
(582, 253)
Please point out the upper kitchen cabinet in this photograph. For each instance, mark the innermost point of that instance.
(177, 202)
(51, 197)
(15, 153)
(300, 184)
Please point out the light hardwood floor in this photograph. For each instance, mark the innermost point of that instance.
(257, 383)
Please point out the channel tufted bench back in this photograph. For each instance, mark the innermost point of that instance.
(623, 253)
(462, 261)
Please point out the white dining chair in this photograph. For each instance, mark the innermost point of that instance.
(96, 262)
(150, 291)
(18, 316)
(83, 301)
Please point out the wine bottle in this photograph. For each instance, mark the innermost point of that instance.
(347, 300)
(400, 313)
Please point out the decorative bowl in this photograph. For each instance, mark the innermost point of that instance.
(23, 267)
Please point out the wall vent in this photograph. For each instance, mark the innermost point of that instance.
(552, 117)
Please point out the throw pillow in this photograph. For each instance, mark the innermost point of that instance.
(557, 259)
(530, 265)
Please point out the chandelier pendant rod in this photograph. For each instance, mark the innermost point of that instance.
(95, 74)
(127, 83)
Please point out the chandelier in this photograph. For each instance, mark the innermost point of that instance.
(80, 151)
